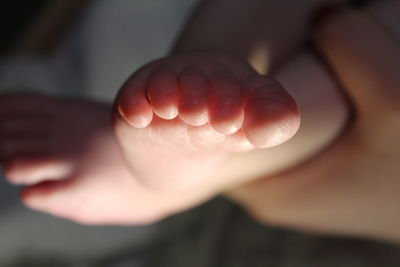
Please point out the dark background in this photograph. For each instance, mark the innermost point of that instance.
(14, 16)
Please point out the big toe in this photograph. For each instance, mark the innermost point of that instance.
(271, 115)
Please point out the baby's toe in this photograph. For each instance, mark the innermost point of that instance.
(132, 104)
(162, 91)
(271, 115)
(193, 100)
(226, 113)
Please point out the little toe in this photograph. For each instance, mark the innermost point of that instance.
(132, 104)
(28, 171)
(193, 100)
(162, 91)
(226, 112)
(271, 115)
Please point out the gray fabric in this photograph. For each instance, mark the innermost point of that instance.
(218, 234)
(227, 237)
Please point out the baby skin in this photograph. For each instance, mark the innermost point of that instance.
(179, 147)
(65, 152)
(179, 117)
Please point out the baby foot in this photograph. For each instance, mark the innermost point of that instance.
(64, 151)
(178, 117)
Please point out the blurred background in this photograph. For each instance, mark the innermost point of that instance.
(195, 238)
(15, 17)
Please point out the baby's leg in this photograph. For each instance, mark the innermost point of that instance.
(65, 154)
